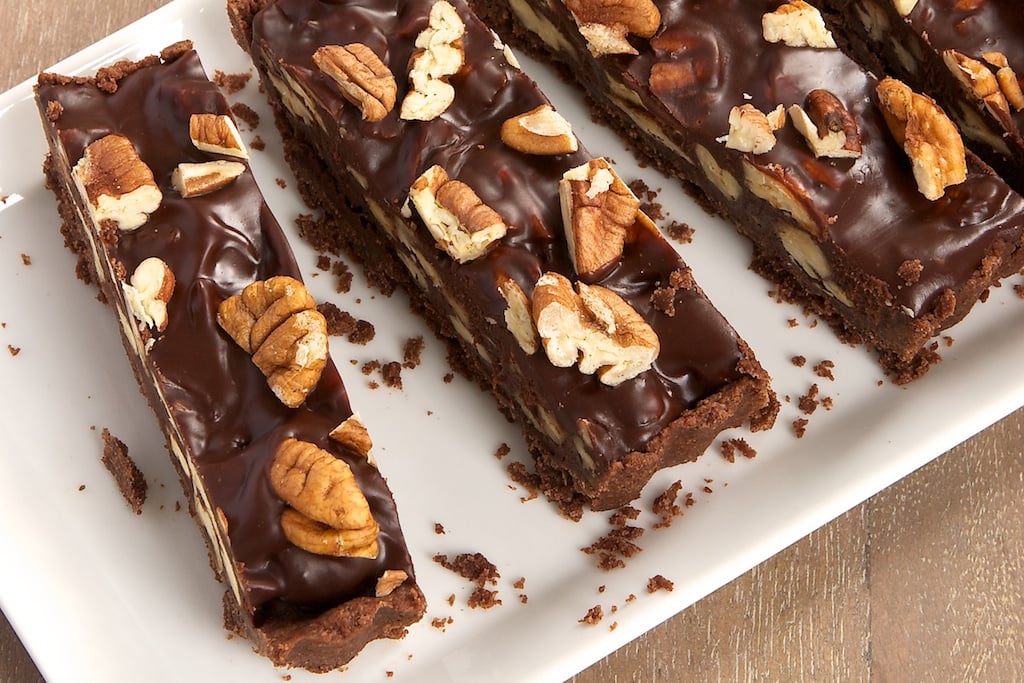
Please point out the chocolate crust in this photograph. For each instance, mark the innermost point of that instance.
(741, 394)
(320, 616)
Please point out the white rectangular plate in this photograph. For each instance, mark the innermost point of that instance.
(99, 594)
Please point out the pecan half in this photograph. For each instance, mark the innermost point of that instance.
(593, 328)
(926, 134)
(979, 81)
(456, 217)
(117, 184)
(439, 56)
(363, 79)
(1007, 77)
(328, 513)
(599, 214)
(277, 322)
(797, 24)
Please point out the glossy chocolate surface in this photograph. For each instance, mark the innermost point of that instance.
(874, 215)
(699, 350)
(219, 401)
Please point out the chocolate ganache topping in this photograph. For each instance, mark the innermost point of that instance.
(869, 208)
(700, 352)
(220, 403)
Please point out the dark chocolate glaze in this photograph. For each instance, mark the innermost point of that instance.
(873, 213)
(219, 401)
(699, 350)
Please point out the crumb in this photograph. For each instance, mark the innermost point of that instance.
(1019, 290)
(471, 566)
(808, 403)
(793, 322)
(451, 600)
(257, 143)
(26, 259)
(126, 473)
(231, 83)
(631, 597)
(680, 232)
(177, 506)
(800, 427)
(339, 322)
(826, 402)
(438, 529)
(373, 384)
(615, 546)
(81, 487)
(798, 361)
(614, 625)
(412, 352)
(659, 583)
(389, 674)
(448, 378)
(593, 616)
(483, 598)
(440, 623)
(528, 480)
(744, 448)
(602, 588)
(948, 340)
(518, 585)
(707, 489)
(910, 271)
(370, 366)
(363, 333)
(13, 350)
(503, 450)
(245, 113)
(621, 516)
(665, 505)
(728, 451)
(341, 271)
(286, 677)
(281, 183)
(523, 598)
(392, 373)
(824, 370)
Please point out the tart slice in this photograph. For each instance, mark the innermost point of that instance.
(158, 202)
(441, 166)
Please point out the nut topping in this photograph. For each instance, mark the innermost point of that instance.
(904, 7)
(593, 327)
(329, 514)
(599, 213)
(978, 80)
(827, 125)
(751, 130)
(364, 80)
(149, 292)
(540, 131)
(797, 24)
(193, 180)
(926, 134)
(456, 217)
(439, 56)
(606, 24)
(518, 318)
(1007, 77)
(216, 133)
(117, 184)
(277, 322)
(353, 434)
(389, 581)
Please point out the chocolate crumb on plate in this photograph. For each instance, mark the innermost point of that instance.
(659, 583)
(231, 83)
(126, 473)
(593, 616)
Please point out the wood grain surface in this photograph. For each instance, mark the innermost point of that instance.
(923, 582)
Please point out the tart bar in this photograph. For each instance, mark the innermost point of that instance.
(890, 241)
(969, 56)
(445, 179)
(159, 205)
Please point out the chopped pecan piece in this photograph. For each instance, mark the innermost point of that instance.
(216, 133)
(827, 125)
(797, 24)
(439, 56)
(753, 131)
(194, 180)
(461, 223)
(540, 131)
(364, 80)
(606, 24)
(149, 292)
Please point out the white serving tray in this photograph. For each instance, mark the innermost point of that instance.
(99, 594)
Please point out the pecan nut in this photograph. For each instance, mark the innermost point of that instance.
(363, 79)
(277, 322)
(328, 513)
(797, 24)
(196, 179)
(1007, 77)
(438, 57)
(541, 131)
(456, 217)
(753, 131)
(607, 24)
(116, 183)
(827, 125)
(149, 291)
(518, 318)
(599, 214)
(979, 81)
(594, 328)
(926, 134)
(216, 133)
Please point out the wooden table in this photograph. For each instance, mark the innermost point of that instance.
(923, 582)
